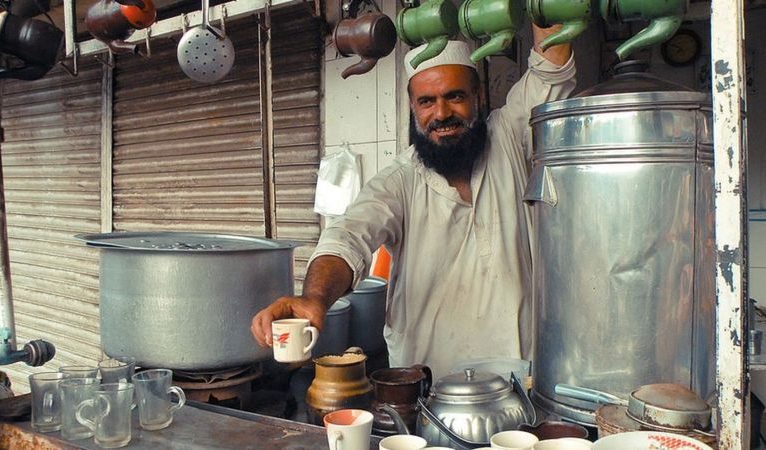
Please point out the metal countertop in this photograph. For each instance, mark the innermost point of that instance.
(199, 426)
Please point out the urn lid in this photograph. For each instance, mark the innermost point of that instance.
(174, 241)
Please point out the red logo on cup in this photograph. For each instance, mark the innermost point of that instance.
(282, 338)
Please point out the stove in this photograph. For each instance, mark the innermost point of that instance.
(230, 387)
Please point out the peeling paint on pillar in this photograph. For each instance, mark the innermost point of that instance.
(727, 257)
(722, 68)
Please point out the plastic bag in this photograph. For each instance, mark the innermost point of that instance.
(339, 181)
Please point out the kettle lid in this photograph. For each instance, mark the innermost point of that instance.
(632, 77)
(469, 383)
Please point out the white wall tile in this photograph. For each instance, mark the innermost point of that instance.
(386, 69)
(350, 104)
(386, 153)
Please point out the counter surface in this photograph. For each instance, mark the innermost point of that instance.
(196, 426)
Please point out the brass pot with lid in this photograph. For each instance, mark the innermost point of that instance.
(340, 382)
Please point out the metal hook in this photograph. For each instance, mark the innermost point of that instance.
(108, 62)
(147, 36)
(73, 70)
(224, 14)
(184, 23)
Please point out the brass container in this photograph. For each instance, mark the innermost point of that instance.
(340, 382)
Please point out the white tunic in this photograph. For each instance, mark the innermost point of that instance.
(460, 285)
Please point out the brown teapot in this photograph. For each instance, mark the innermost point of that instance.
(340, 382)
(112, 21)
(371, 36)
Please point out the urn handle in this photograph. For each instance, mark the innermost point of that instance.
(425, 385)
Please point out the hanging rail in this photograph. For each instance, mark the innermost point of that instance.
(166, 27)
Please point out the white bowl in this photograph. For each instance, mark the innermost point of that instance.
(649, 440)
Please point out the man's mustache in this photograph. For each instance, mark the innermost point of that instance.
(448, 122)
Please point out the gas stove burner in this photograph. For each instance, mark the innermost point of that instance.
(211, 376)
(230, 387)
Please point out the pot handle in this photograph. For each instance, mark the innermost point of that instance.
(458, 442)
(588, 395)
(401, 427)
(357, 350)
(540, 187)
(529, 410)
(425, 386)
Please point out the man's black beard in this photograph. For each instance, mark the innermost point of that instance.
(453, 156)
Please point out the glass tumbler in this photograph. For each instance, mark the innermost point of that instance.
(73, 392)
(46, 400)
(108, 414)
(79, 371)
(153, 389)
(114, 370)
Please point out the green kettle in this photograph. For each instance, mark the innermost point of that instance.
(496, 19)
(665, 17)
(433, 22)
(574, 16)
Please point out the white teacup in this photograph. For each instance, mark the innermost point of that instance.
(348, 429)
(293, 339)
(513, 440)
(402, 442)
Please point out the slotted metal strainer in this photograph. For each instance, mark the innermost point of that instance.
(205, 53)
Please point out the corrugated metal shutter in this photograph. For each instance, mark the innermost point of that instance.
(51, 166)
(297, 63)
(187, 155)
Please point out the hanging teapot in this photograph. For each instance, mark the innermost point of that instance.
(112, 21)
(371, 36)
(36, 43)
(665, 17)
(433, 22)
(497, 20)
(573, 15)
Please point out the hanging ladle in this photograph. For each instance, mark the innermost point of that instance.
(205, 53)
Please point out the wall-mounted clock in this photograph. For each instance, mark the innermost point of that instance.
(682, 48)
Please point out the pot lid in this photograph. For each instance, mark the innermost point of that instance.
(181, 241)
(631, 86)
(669, 405)
(470, 383)
(632, 77)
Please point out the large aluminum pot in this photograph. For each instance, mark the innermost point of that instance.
(624, 282)
(185, 300)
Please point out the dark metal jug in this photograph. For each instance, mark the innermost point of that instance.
(399, 388)
(371, 36)
(340, 382)
(111, 21)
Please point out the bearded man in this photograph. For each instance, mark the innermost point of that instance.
(450, 212)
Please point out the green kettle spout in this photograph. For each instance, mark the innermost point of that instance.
(568, 32)
(434, 47)
(659, 30)
(499, 42)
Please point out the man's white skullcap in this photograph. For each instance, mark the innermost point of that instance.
(456, 52)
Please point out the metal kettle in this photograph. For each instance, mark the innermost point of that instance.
(465, 409)
(112, 21)
(38, 44)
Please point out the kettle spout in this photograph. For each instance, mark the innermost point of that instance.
(434, 47)
(363, 66)
(401, 427)
(568, 32)
(120, 46)
(659, 30)
(499, 42)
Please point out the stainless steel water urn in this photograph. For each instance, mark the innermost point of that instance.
(624, 277)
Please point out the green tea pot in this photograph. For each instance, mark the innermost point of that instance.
(665, 17)
(433, 22)
(574, 15)
(496, 19)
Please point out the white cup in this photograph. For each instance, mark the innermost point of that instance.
(348, 429)
(588, 444)
(293, 339)
(562, 444)
(513, 440)
(402, 442)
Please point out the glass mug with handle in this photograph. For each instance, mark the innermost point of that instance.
(153, 389)
(46, 400)
(73, 392)
(117, 369)
(109, 414)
